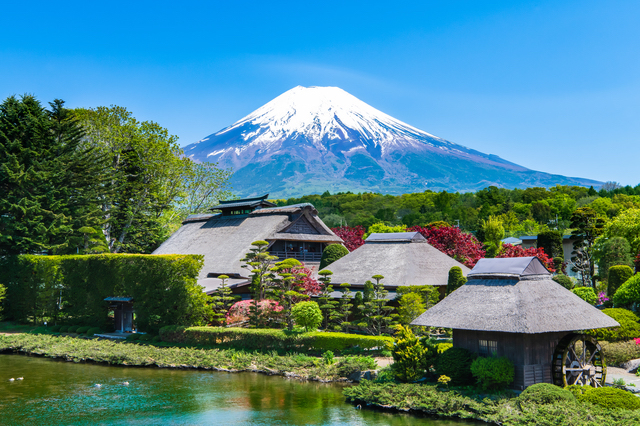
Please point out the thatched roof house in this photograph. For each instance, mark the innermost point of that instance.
(403, 258)
(512, 307)
(224, 238)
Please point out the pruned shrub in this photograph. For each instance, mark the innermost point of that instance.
(629, 326)
(83, 329)
(618, 275)
(353, 364)
(545, 393)
(564, 281)
(73, 328)
(456, 363)
(455, 280)
(611, 398)
(133, 337)
(307, 315)
(93, 330)
(587, 294)
(493, 373)
(64, 329)
(628, 293)
(332, 253)
(618, 353)
(145, 337)
(55, 328)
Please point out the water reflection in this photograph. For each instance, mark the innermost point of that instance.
(63, 393)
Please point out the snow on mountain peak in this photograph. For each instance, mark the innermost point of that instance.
(322, 113)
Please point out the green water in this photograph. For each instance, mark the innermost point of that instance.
(64, 393)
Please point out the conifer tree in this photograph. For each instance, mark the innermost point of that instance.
(50, 185)
(222, 299)
(326, 303)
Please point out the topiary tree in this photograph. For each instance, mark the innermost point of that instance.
(629, 326)
(564, 281)
(307, 315)
(456, 279)
(221, 300)
(493, 373)
(409, 356)
(628, 293)
(618, 275)
(611, 252)
(376, 315)
(587, 294)
(332, 253)
(456, 363)
(328, 304)
(551, 242)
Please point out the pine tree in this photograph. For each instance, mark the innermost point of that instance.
(327, 304)
(221, 300)
(50, 185)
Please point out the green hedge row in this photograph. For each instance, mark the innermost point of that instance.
(72, 289)
(268, 339)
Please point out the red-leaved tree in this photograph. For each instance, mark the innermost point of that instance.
(310, 287)
(509, 250)
(351, 235)
(463, 247)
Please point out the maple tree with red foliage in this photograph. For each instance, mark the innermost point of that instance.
(309, 286)
(463, 247)
(351, 235)
(509, 250)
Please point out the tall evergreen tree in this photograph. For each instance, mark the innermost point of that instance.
(49, 183)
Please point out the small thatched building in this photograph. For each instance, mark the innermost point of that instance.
(403, 258)
(224, 238)
(512, 308)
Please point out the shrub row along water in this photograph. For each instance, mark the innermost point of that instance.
(122, 353)
(269, 339)
(539, 405)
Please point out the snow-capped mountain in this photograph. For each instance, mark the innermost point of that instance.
(322, 138)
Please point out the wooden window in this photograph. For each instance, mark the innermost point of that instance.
(487, 347)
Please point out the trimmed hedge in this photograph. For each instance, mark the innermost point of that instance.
(618, 275)
(332, 253)
(629, 326)
(164, 288)
(611, 398)
(268, 339)
(83, 329)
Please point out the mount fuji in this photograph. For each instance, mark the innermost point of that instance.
(310, 140)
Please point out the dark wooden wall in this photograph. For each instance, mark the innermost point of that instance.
(531, 354)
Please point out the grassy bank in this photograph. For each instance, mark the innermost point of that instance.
(501, 410)
(133, 354)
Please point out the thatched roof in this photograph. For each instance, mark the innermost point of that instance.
(499, 298)
(224, 240)
(402, 258)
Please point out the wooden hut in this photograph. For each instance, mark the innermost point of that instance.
(512, 308)
(403, 258)
(224, 238)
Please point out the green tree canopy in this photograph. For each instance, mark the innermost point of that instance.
(50, 184)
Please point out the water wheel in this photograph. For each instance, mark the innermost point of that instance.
(578, 360)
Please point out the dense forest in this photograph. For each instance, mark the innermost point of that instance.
(521, 211)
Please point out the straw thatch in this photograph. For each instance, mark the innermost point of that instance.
(513, 296)
(224, 240)
(403, 259)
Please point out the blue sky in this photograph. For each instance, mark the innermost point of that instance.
(551, 85)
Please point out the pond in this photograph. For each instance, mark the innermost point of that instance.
(64, 393)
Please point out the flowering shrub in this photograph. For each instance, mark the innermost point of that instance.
(509, 250)
(602, 297)
(240, 311)
(351, 235)
(463, 247)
